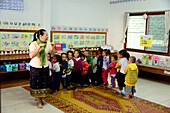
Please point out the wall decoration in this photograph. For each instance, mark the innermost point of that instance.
(79, 39)
(12, 5)
(123, 1)
(146, 40)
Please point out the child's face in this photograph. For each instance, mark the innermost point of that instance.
(113, 59)
(64, 57)
(70, 55)
(48, 57)
(103, 53)
(86, 53)
(82, 58)
(120, 56)
(54, 59)
(76, 54)
(130, 61)
(94, 54)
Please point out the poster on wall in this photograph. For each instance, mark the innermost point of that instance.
(146, 40)
(15, 40)
(79, 39)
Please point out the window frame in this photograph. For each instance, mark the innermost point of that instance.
(144, 51)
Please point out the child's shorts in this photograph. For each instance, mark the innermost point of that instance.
(130, 89)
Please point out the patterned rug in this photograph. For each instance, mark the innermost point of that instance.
(100, 100)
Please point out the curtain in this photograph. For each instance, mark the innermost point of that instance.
(125, 26)
(167, 27)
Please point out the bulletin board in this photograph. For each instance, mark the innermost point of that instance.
(72, 39)
(15, 39)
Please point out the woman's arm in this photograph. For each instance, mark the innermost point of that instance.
(32, 54)
(53, 48)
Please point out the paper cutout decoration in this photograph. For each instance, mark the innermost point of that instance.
(150, 59)
(161, 63)
(146, 40)
(156, 58)
(144, 59)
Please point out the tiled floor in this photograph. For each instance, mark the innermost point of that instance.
(18, 100)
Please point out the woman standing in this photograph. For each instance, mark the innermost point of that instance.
(39, 69)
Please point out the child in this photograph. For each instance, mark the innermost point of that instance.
(56, 73)
(123, 55)
(94, 68)
(84, 70)
(75, 78)
(104, 68)
(99, 67)
(50, 68)
(70, 68)
(64, 66)
(131, 77)
(90, 62)
(112, 69)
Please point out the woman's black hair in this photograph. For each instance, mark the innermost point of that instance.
(70, 52)
(115, 57)
(78, 52)
(38, 33)
(124, 53)
(82, 55)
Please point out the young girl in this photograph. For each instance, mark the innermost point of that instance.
(64, 66)
(112, 69)
(124, 56)
(84, 70)
(70, 68)
(56, 73)
(99, 67)
(94, 69)
(104, 68)
(75, 78)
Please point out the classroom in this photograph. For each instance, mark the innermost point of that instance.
(84, 56)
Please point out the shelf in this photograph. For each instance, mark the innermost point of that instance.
(153, 69)
(14, 71)
(14, 57)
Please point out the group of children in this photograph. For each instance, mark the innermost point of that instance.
(81, 70)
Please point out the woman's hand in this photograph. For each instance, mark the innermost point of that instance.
(53, 48)
(52, 44)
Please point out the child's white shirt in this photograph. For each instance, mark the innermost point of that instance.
(95, 62)
(123, 63)
(105, 62)
(56, 67)
(70, 64)
(50, 67)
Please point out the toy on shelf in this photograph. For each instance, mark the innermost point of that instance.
(144, 59)
(167, 62)
(156, 58)
(161, 63)
(150, 59)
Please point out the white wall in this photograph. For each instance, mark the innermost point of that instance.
(86, 13)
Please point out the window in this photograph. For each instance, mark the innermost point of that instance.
(154, 25)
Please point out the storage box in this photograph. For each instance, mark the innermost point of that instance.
(58, 47)
(14, 67)
(8, 67)
(21, 66)
(27, 65)
(2, 68)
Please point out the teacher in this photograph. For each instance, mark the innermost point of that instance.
(39, 70)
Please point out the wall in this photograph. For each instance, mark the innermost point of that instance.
(116, 17)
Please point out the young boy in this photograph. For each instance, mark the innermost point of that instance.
(90, 62)
(99, 67)
(94, 68)
(131, 77)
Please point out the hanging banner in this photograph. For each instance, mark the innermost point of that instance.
(146, 40)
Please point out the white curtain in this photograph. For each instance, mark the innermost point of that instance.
(125, 26)
(167, 27)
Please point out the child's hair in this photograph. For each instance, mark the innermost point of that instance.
(133, 58)
(50, 56)
(88, 51)
(100, 50)
(82, 55)
(105, 50)
(115, 57)
(63, 54)
(58, 58)
(70, 52)
(95, 52)
(124, 53)
(108, 51)
(78, 52)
